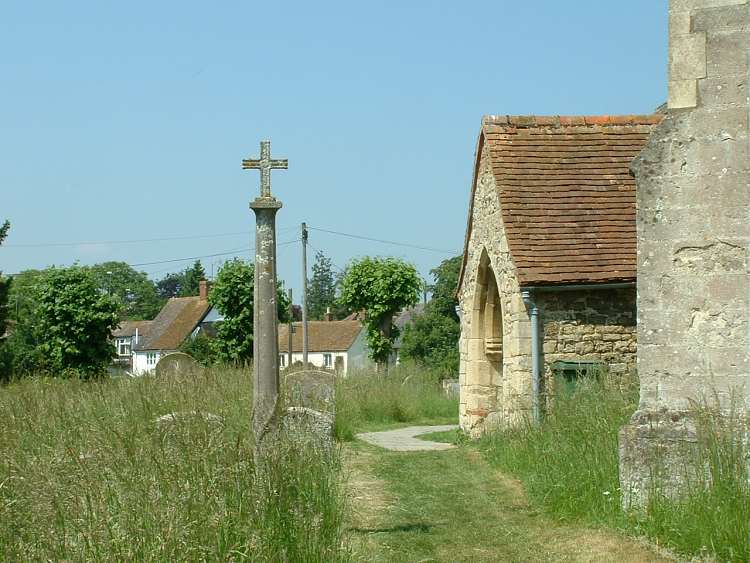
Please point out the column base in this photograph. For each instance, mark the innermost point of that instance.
(657, 452)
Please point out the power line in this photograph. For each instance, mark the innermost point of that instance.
(394, 243)
(228, 252)
(331, 261)
(173, 260)
(133, 241)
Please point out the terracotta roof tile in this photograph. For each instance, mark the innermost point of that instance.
(322, 336)
(127, 328)
(174, 323)
(566, 193)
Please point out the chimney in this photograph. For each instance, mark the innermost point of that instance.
(203, 293)
(328, 316)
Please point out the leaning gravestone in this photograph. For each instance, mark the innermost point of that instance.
(176, 363)
(309, 397)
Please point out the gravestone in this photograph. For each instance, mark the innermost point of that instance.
(313, 389)
(310, 399)
(176, 363)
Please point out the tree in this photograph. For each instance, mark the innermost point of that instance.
(232, 295)
(444, 289)
(191, 279)
(74, 322)
(4, 286)
(431, 340)
(170, 285)
(382, 287)
(133, 290)
(321, 294)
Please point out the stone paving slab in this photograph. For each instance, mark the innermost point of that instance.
(403, 439)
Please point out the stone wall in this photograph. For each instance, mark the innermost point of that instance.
(589, 325)
(693, 189)
(492, 392)
(495, 366)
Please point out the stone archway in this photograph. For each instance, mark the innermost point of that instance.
(485, 359)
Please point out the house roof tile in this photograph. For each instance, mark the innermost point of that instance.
(174, 323)
(322, 336)
(128, 328)
(566, 193)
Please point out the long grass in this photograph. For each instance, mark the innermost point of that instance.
(88, 473)
(569, 467)
(405, 394)
(569, 463)
(713, 517)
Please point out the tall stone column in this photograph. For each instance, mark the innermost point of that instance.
(265, 315)
(693, 190)
(265, 318)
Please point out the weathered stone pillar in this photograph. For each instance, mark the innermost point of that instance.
(265, 318)
(693, 190)
(265, 315)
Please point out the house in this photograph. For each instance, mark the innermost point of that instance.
(547, 283)
(338, 345)
(125, 336)
(179, 319)
(403, 318)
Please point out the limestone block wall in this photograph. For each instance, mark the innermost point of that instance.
(693, 190)
(589, 325)
(495, 388)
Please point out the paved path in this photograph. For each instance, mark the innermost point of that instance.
(403, 439)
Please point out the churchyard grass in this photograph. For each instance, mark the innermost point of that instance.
(88, 474)
(404, 396)
(569, 467)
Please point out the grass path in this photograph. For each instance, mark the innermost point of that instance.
(452, 506)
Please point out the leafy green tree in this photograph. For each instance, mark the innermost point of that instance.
(381, 287)
(431, 340)
(321, 294)
(191, 279)
(201, 348)
(232, 295)
(170, 285)
(4, 286)
(444, 289)
(133, 290)
(74, 322)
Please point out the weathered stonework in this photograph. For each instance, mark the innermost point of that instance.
(495, 388)
(590, 325)
(693, 242)
(495, 346)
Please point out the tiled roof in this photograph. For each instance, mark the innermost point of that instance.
(322, 336)
(174, 323)
(127, 328)
(566, 194)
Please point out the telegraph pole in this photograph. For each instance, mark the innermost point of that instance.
(304, 295)
(291, 327)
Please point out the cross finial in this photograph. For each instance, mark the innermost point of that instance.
(265, 163)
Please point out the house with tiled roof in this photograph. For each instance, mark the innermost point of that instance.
(124, 337)
(547, 285)
(337, 345)
(180, 318)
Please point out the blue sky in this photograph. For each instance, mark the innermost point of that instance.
(129, 121)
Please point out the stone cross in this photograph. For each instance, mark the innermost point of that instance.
(265, 163)
(265, 320)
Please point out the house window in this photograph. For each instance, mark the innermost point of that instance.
(151, 358)
(328, 360)
(123, 347)
(282, 360)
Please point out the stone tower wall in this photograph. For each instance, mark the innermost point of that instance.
(693, 186)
